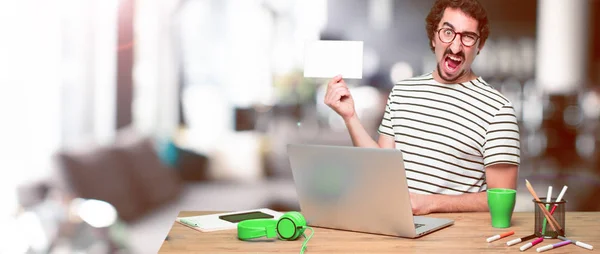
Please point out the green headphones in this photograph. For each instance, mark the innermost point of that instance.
(290, 226)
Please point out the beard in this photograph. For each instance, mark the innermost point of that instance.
(442, 74)
(447, 79)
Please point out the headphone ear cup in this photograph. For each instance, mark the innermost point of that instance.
(291, 225)
(256, 228)
(301, 222)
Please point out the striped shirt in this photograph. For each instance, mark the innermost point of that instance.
(449, 133)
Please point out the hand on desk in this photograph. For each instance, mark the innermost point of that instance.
(440, 203)
(420, 203)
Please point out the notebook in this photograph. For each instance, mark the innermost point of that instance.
(225, 221)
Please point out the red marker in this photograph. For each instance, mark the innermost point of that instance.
(532, 243)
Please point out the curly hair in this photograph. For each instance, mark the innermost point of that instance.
(472, 8)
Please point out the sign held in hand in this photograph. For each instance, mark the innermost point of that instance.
(327, 59)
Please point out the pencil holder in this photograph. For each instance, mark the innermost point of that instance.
(542, 227)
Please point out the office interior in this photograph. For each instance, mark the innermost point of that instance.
(118, 114)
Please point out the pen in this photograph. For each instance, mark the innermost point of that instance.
(518, 240)
(189, 223)
(496, 237)
(532, 243)
(552, 246)
(578, 243)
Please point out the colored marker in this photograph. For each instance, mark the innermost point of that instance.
(532, 243)
(518, 240)
(548, 200)
(560, 196)
(189, 223)
(578, 243)
(496, 237)
(553, 246)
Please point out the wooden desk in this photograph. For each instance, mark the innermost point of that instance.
(467, 235)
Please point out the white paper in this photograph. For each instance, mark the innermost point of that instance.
(327, 59)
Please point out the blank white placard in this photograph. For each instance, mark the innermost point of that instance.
(327, 59)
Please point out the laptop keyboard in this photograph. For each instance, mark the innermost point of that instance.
(417, 225)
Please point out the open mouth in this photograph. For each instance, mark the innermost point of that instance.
(452, 63)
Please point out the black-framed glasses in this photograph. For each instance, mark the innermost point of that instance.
(447, 35)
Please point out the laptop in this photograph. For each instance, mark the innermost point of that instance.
(357, 189)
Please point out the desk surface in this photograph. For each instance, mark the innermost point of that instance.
(467, 235)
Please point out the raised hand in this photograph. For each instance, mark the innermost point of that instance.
(338, 98)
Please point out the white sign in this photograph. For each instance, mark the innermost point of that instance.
(327, 59)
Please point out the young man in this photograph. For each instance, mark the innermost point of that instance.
(458, 135)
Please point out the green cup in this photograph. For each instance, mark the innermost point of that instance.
(501, 203)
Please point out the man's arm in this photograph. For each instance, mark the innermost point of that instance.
(360, 136)
(497, 176)
(338, 97)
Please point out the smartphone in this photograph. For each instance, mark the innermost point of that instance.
(237, 217)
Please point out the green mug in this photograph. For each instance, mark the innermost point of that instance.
(501, 203)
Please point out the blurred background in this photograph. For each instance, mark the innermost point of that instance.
(118, 114)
